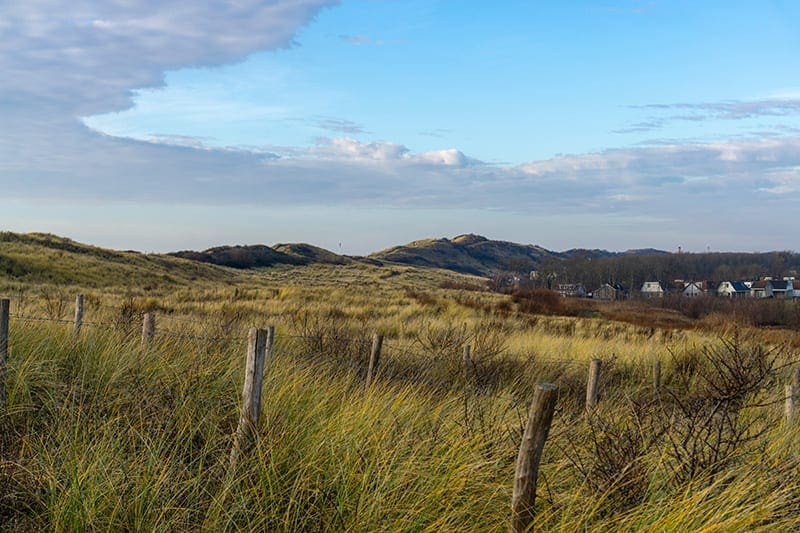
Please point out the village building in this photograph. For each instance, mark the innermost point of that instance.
(758, 289)
(733, 289)
(608, 292)
(652, 289)
(571, 290)
(693, 289)
(780, 289)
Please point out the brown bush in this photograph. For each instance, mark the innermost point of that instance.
(538, 301)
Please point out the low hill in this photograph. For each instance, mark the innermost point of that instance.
(45, 258)
(252, 256)
(312, 254)
(468, 254)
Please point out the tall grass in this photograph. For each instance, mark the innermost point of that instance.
(98, 434)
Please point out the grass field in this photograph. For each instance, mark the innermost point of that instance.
(100, 434)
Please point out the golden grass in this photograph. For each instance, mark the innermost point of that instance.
(98, 434)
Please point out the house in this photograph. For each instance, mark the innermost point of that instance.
(733, 289)
(652, 289)
(608, 292)
(758, 289)
(693, 289)
(779, 289)
(575, 290)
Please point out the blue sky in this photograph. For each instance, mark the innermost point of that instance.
(363, 124)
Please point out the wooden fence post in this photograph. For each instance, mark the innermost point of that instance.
(374, 358)
(148, 329)
(593, 383)
(466, 361)
(270, 341)
(78, 314)
(789, 405)
(5, 307)
(796, 379)
(530, 454)
(251, 394)
(657, 377)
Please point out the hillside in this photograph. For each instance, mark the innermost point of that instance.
(477, 255)
(312, 254)
(260, 255)
(252, 256)
(45, 258)
(468, 254)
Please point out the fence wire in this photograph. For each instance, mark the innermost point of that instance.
(419, 361)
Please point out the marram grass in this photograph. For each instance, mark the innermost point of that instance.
(99, 434)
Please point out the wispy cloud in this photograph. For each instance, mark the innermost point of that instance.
(708, 111)
(731, 110)
(360, 40)
(644, 126)
(438, 132)
(340, 125)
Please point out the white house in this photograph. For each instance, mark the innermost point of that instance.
(652, 289)
(693, 289)
(733, 289)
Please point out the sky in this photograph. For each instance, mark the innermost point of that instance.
(357, 125)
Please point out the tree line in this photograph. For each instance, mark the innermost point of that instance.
(632, 271)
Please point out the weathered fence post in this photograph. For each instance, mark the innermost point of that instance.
(374, 358)
(5, 307)
(796, 379)
(530, 454)
(593, 383)
(466, 361)
(657, 377)
(148, 329)
(251, 394)
(789, 405)
(78, 314)
(270, 342)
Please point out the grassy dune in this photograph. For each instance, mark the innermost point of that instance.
(99, 434)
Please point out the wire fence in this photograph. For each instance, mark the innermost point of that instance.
(402, 362)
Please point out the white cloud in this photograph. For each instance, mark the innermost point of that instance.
(59, 64)
(345, 148)
(85, 59)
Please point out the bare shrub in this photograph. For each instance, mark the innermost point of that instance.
(127, 318)
(538, 301)
(229, 318)
(710, 403)
(328, 338)
(55, 303)
(706, 418)
(463, 285)
(611, 452)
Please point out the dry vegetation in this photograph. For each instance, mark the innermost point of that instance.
(98, 434)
